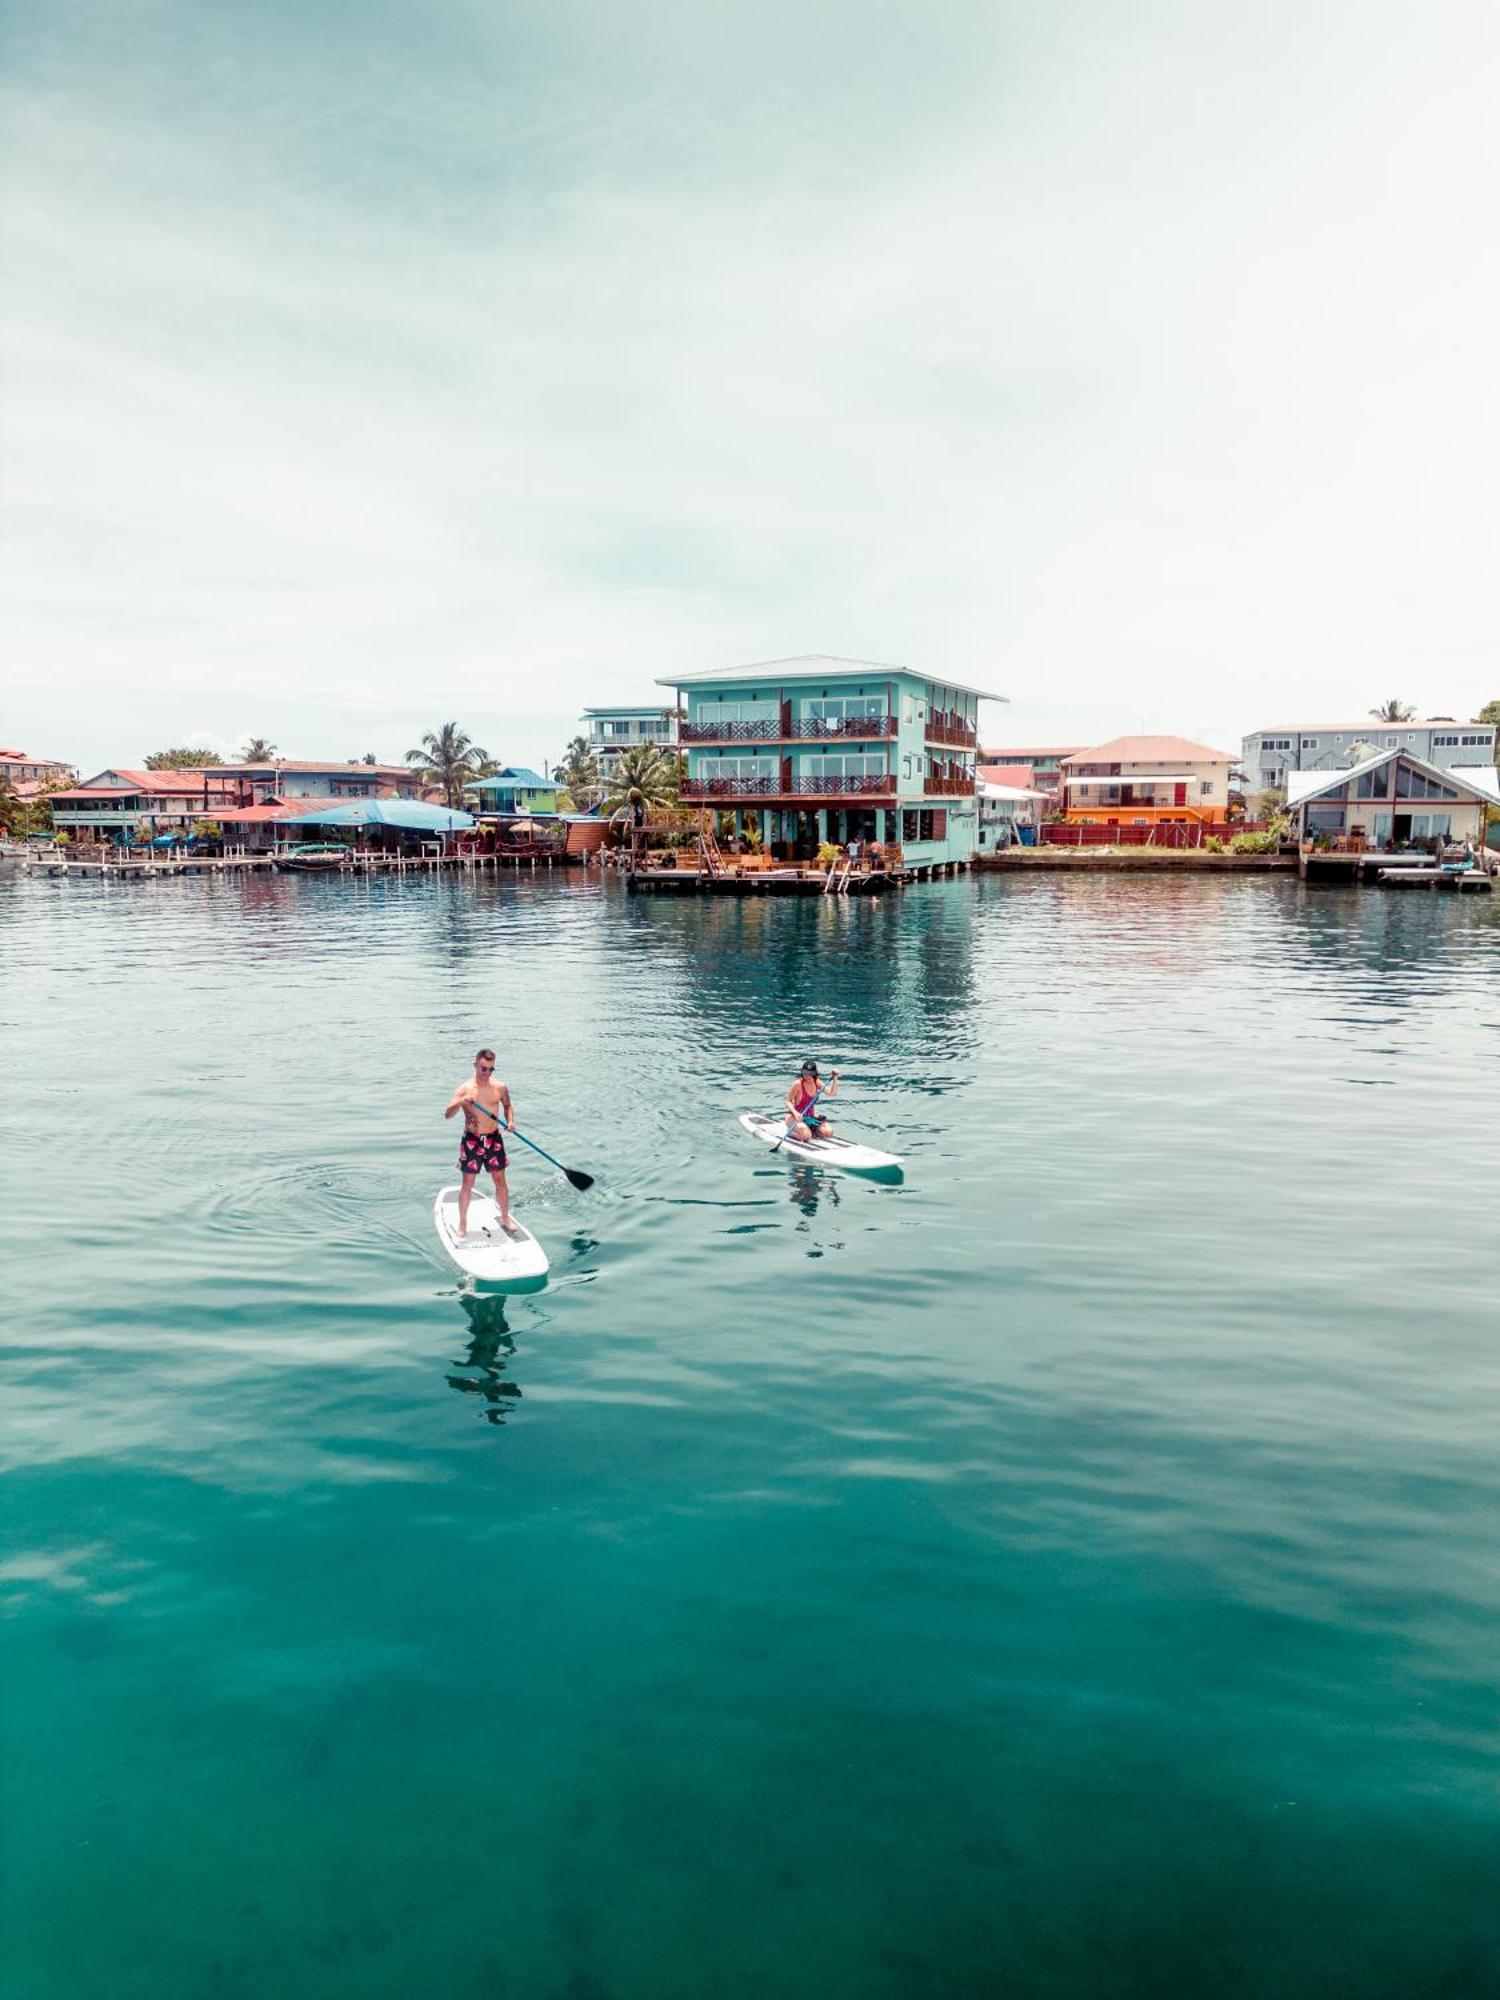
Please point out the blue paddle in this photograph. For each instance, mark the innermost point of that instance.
(578, 1179)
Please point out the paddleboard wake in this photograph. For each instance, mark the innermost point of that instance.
(833, 1152)
(489, 1253)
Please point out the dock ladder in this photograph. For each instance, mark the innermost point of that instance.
(837, 880)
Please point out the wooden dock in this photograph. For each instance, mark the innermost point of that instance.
(1356, 865)
(151, 868)
(1465, 881)
(711, 873)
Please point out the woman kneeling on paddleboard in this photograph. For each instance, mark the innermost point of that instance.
(802, 1122)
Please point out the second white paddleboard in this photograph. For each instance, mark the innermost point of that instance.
(831, 1152)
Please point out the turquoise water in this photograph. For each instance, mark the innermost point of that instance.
(1071, 1572)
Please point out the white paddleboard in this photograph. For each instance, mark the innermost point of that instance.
(488, 1252)
(832, 1152)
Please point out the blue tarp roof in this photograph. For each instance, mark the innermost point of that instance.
(410, 815)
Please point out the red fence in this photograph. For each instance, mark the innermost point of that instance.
(1175, 833)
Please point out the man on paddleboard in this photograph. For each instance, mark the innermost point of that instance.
(802, 1121)
(488, 1112)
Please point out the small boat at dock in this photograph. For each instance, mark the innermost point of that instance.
(314, 858)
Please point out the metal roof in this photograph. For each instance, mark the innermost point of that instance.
(1368, 728)
(1481, 781)
(1011, 792)
(654, 709)
(815, 667)
(512, 775)
(1138, 778)
(1146, 749)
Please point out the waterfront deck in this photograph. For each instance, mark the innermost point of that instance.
(726, 876)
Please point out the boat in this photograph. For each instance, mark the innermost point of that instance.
(844, 1154)
(489, 1253)
(313, 858)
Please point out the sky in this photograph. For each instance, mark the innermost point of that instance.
(368, 366)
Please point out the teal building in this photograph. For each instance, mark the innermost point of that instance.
(818, 749)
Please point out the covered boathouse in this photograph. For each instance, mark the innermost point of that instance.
(815, 749)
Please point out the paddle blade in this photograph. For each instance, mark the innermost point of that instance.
(580, 1181)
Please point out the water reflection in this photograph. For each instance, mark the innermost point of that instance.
(808, 1187)
(491, 1348)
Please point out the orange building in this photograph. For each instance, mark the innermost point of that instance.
(1146, 781)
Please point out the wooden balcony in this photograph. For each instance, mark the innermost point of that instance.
(811, 729)
(949, 785)
(952, 730)
(797, 789)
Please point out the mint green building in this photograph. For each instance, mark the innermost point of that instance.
(515, 790)
(818, 749)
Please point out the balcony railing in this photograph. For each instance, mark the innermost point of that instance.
(952, 730)
(694, 791)
(873, 785)
(698, 791)
(938, 785)
(789, 729)
(764, 730)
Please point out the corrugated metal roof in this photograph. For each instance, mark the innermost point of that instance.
(1369, 727)
(1481, 781)
(814, 667)
(513, 774)
(1150, 750)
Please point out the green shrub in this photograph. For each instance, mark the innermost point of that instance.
(1256, 843)
(1213, 845)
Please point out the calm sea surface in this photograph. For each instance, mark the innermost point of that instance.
(1072, 1572)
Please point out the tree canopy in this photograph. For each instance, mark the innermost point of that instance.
(258, 751)
(182, 759)
(448, 757)
(1394, 710)
(578, 771)
(643, 777)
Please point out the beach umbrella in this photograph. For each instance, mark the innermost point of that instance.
(407, 815)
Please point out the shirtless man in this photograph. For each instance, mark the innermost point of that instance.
(488, 1113)
(802, 1121)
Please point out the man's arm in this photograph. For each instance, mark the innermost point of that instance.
(507, 1107)
(455, 1102)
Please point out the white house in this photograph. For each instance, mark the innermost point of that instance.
(1393, 799)
(1003, 810)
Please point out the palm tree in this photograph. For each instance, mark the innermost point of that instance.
(258, 751)
(578, 769)
(643, 777)
(448, 758)
(1393, 710)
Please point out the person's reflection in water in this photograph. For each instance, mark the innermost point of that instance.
(808, 1187)
(490, 1347)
